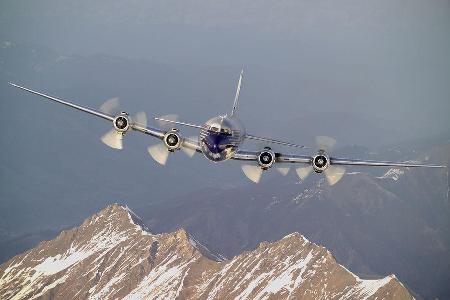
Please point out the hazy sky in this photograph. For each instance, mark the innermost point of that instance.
(383, 60)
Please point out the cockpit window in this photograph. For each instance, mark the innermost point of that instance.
(227, 131)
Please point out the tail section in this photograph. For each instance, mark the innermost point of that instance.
(238, 90)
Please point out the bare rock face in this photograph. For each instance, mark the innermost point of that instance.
(111, 256)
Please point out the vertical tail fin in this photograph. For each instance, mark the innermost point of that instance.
(238, 90)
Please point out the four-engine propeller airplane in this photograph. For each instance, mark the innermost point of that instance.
(220, 139)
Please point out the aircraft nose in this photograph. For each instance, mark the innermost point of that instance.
(212, 144)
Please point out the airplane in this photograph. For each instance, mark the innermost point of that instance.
(220, 139)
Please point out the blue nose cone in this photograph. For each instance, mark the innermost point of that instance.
(212, 141)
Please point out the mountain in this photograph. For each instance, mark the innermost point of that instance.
(396, 222)
(112, 255)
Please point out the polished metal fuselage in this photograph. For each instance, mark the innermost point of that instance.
(220, 137)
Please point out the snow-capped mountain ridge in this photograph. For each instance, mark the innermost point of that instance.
(110, 256)
(393, 173)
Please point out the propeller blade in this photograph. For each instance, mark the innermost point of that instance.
(325, 142)
(303, 172)
(159, 153)
(167, 125)
(252, 172)
(140, 119)
(189, 150)
(110, 107)
(283, 170)
(113, 139)
(334, 174)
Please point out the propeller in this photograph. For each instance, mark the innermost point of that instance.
(111, 106)
(332, 173)
(160, 152)
(140, 119)
(325, 143)
(303, 172)
(252, 172)
(114, 137)
(283, 170)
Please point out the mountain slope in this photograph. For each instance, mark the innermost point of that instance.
(112, 256)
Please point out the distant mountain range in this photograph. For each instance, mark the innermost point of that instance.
(112, 256)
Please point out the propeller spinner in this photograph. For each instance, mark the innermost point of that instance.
(266, 160)
(172, 141)
(121, 123)
(322, 163)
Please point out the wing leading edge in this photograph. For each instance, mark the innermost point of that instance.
(306, 159)
(147, 130)
(374, 163)
(67, 103)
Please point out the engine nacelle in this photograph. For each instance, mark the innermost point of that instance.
(172, 140)
(122, 122)
(320, 162)
(266, 158)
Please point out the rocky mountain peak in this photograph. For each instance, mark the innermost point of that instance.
(111, 256)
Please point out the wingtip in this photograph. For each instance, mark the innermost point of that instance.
(438, 166)
(14, 85)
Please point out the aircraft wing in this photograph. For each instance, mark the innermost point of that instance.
(307, 159)
(279, 157)
(253, 165)
(374, 163)
(147, 130)
(67, 103)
